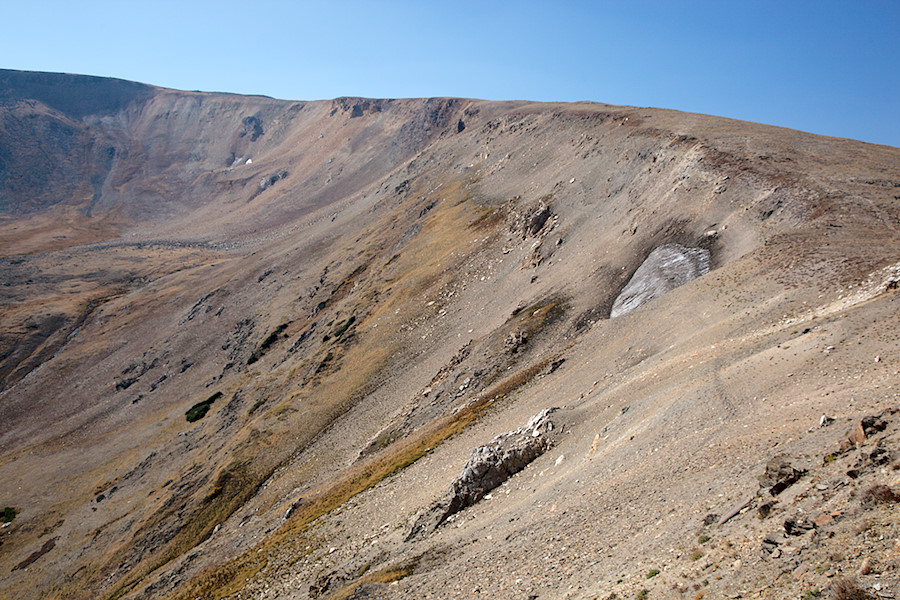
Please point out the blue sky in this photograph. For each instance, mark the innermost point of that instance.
(826, 67)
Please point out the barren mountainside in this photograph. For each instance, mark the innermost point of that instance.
(440, 348)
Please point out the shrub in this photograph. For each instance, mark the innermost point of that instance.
(846, 589)
(879, 494)
(264, 345)
(343, 327)
(652, 573)
(196, 412)
(9, 513)
(199, 410)
(271, 338)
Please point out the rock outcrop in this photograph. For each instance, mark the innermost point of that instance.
(666, 268)
(780, 474)
(488, 467)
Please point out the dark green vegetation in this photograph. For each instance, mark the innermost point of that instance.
(343, 327)
(266, 343)
(199, 410)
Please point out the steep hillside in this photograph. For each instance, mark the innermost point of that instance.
(248, 345)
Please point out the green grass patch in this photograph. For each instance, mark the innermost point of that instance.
(342, 328)
(272, 337)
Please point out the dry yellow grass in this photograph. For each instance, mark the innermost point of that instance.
(60, 227)
(422, 262)
(385, 575)
(230, 577)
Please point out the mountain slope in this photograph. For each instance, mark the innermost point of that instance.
(358, 292)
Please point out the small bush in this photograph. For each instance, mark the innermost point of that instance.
(703, 539)
(272, 338)
(879, 494)
(266, 343)
(9, 513)
(343, 327)
(652, 573)
(199, 410)
(846, 589)
(196, 412)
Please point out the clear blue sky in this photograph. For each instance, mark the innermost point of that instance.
(823, 66)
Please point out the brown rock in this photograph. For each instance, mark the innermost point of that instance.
(857, 434)
(779, 475)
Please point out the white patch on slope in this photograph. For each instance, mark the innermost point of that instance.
(667, 267)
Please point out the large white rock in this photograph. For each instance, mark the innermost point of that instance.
(667, 267)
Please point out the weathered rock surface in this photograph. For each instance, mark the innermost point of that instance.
(668, 267)
(488, 467)
(780, 474)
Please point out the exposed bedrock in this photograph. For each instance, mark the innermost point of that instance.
(488, 467)
(667, 267)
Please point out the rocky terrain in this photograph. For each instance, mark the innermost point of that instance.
(440, 348)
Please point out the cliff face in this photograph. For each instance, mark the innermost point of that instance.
(247, 343)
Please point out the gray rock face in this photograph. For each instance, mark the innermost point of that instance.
(488, 467)
(779, 475)
(667, 267)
